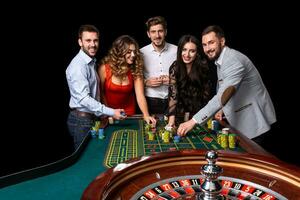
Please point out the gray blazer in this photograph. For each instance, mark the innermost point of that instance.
(249, 108)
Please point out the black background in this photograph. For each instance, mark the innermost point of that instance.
(41, 42)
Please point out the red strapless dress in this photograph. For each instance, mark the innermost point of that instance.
(119, 96)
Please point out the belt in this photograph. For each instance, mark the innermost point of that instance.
(83, 114)
(157, 100)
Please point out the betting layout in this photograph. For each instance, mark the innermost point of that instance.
(134, 138)
(159, 139)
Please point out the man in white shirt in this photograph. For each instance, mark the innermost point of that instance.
(158, 57)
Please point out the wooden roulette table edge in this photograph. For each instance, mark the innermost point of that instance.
(126, 179)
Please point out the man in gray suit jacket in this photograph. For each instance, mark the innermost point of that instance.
(241, 96)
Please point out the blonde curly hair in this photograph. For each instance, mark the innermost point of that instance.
(116, 57)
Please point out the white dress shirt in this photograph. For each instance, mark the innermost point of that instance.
(157, 64)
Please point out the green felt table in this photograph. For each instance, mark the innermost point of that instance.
(129, 139)
(123, 141)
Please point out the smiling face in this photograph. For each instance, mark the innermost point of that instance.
(131, 54)
(189, 53)
(212, 45)
(157, 35)
(89, 43)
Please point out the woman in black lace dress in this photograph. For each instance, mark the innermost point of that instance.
(189, 88)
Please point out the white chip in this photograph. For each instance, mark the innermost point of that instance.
(168, 128)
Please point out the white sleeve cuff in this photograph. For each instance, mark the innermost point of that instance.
(195, 120)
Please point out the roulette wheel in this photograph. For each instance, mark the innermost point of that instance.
(197, 174)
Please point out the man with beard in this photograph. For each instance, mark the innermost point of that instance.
(241, 96)
(84, 87)
(158, 57)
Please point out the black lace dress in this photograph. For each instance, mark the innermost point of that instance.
(185, 95)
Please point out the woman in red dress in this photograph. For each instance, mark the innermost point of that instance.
(121, 77)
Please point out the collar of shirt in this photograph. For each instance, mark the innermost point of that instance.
(86, 58)
(219, 61)
(163, 49)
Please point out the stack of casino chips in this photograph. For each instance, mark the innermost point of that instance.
(150, 130)
(111, 120)
(101, 135)
(166, 136)
(232, 140)
(226, 139)
(95, 129)
(176, 138)
(150, 136)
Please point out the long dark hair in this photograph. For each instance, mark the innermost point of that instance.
(198, 75)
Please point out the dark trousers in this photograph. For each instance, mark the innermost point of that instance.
(270, 140)
(78, 127)
(157, 105)
(260, 139)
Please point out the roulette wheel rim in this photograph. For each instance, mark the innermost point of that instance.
(108, 185)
